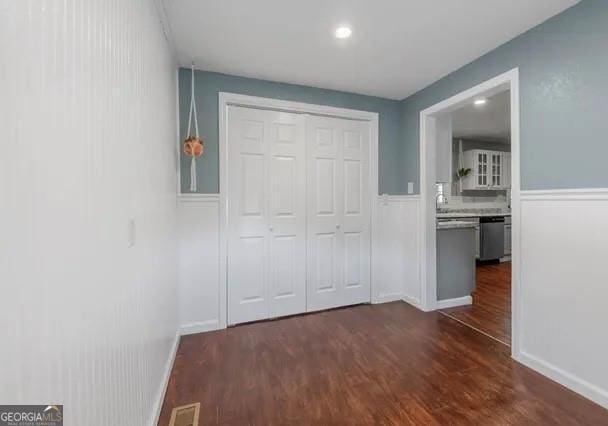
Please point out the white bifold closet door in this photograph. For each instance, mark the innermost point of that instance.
(266, 202)
(338, 219)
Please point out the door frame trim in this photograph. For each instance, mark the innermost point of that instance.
(226, 99)
(506, 81)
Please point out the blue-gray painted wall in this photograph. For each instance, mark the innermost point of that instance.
(563, 66)
(209, 84)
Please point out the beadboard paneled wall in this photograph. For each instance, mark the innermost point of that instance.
(87, 146)
(398, 249)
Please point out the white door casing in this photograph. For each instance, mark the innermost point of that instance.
(266, 214)
(338, 219)
(506, 81)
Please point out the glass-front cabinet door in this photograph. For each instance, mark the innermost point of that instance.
(482, 169)
(497, 171)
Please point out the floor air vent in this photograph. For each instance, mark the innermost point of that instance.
(186, 415)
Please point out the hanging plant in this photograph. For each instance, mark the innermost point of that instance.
(463, 172)
(193, 144)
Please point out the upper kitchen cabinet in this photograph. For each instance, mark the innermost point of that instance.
(489, 170)
(496, 170)
(478, 161)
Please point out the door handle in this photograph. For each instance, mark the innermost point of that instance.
(337, 226)
(271, 229)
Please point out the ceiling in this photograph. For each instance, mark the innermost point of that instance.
(397, 47)
(491, 122)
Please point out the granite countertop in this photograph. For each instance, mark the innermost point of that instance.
(455, 224)
(446, 214)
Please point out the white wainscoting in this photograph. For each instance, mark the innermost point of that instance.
(199, 262)
(564, 288)
(397, 258)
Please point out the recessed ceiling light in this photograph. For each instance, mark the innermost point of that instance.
(343, 32)
(481, 101)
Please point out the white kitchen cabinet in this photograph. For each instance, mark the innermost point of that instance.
(488, 169)
(496, 169)
(478, 161)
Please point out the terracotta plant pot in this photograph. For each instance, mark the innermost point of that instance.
(193, 146)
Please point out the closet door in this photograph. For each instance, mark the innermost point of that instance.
(338, 218)
(287, 229)
(266, 214)
(356, 221)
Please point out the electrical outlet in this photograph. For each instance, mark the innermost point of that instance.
(410, 187)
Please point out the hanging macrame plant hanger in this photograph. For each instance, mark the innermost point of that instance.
(193, 145)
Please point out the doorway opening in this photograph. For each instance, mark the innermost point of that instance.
(470, 186)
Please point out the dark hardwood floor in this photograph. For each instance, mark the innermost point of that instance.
(369, 364)
(491, 308)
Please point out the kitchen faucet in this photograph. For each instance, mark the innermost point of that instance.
(440, 199)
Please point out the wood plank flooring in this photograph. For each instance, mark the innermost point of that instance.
(369, 364)
(491, 308)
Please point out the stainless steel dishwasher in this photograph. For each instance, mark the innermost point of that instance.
(492, 238)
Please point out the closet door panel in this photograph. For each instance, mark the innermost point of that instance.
(338, 213)
(356, 215)
(325, 207)
(266, 214)
(247, 216)
(287, 227)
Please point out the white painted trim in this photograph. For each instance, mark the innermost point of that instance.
(451, 303)
(373, 186)
(162, 390)
(508, 80)
(224, 100)
(578, 385)
(199, 327)
(582, 194)
(199, 198)
(385, 198)
(413, 301)
(388, 297)
(516, 302)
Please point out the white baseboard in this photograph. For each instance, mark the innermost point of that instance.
(412, 301)
(199, 327)
(389, 297)
(576, 384)
(160, 397)
(451, 303)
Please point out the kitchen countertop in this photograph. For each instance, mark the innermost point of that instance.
(455, 224)
(472, 213)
